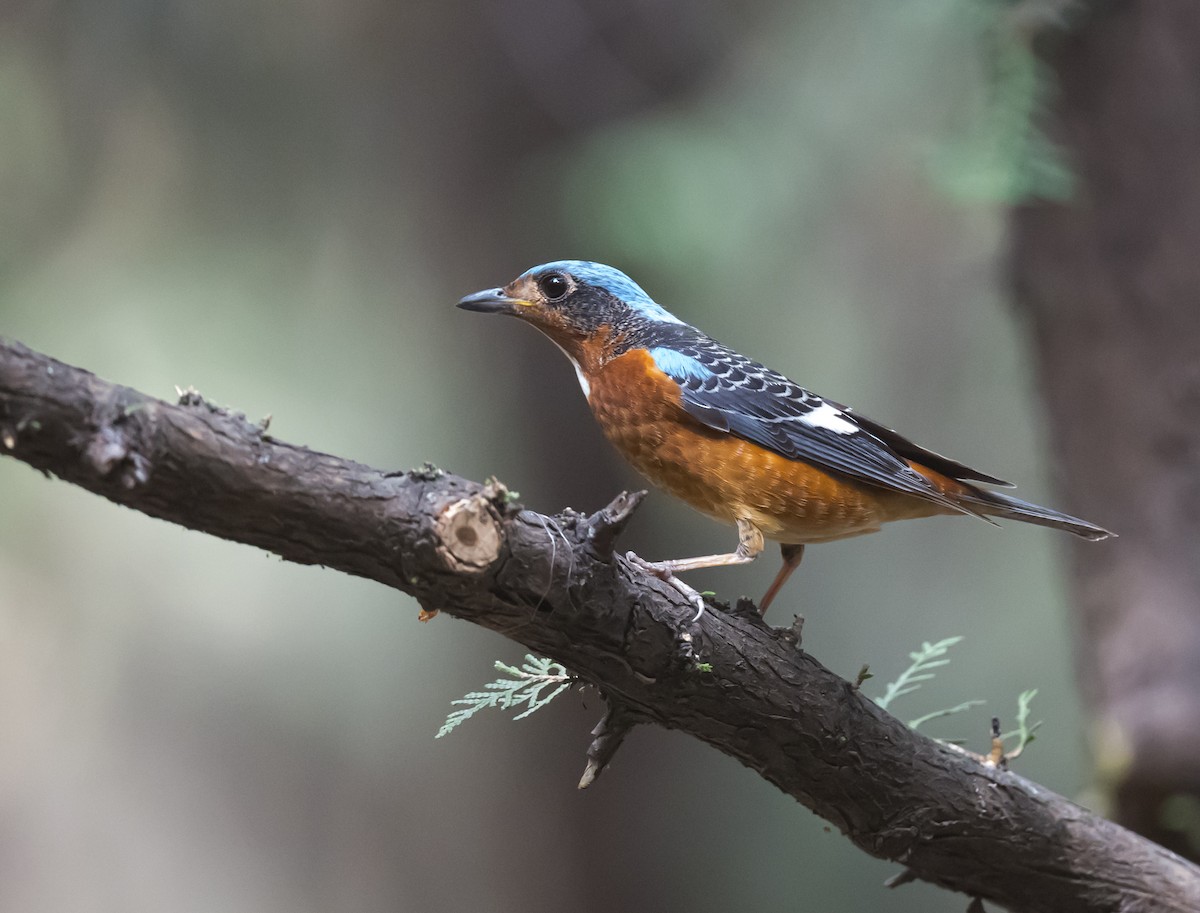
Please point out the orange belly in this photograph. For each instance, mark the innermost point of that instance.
(638, 408)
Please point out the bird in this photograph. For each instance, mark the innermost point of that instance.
(734, 439)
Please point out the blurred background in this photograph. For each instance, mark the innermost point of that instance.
(280, 203)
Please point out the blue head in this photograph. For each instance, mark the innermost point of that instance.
(572, 300)
(608, 281)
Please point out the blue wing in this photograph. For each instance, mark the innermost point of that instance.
(731, 393)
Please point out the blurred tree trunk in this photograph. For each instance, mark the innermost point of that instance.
(1111, 284)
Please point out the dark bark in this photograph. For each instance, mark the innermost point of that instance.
(555, 585)
(1111, 282)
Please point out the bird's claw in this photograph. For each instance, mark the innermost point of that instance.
(665, 574)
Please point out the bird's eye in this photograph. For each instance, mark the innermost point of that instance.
(554, 286)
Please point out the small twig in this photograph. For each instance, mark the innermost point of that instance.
(863, 674)
(995, 757)
(606, 524)
(745, 607)
(901, 878)
(607, 737)
(797, 631)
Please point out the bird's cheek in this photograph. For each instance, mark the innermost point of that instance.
(538, 314)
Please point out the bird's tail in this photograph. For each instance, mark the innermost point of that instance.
(994, 504)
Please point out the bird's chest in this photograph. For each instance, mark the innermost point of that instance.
(637, 406)
(640, 410)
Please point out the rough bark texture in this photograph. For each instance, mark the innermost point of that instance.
(554, 585)
(1111, 282)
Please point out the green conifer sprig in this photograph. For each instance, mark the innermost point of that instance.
(536, 683)
(1024, 733)
(924, 661)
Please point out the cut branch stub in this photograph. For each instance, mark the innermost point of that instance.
(608, 522)
(469, 535)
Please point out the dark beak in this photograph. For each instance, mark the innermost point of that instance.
(489, 301)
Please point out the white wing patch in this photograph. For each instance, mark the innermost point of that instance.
(831, 419)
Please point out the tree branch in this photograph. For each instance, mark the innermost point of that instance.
(554, 585)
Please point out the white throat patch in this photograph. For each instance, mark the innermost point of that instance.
(583, 383)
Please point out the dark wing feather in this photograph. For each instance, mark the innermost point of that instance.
(731, 393)
(918, 454)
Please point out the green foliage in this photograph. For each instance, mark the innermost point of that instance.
(924, 661)
(947, 711)
(527, 685)
(933, 656)
(1024, 733)
(929, 657)
(539, 680)
(1004, 157)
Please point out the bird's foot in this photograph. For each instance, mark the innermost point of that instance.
(662, 570)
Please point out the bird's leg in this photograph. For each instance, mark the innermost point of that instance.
(750, 544)
(792, 555)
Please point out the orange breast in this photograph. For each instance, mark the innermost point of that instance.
(721, 475)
